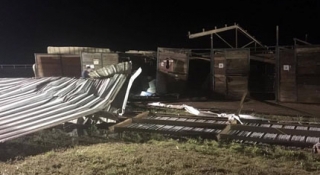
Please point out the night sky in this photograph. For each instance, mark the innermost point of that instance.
(28, 27)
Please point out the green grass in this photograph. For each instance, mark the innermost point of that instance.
(54, 152)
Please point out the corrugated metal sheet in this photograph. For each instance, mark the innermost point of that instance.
(124, 67)
(28, 105)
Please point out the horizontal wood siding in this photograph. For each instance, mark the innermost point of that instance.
(231, 70)
(172, 70)
(287, 90)
(308, 74)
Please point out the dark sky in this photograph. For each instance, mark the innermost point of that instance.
(28, 27)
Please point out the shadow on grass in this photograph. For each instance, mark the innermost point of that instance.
(58, 140)
(41, 142)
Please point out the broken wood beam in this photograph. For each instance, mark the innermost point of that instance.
(129, 121)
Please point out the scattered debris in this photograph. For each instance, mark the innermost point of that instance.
(197, 112)
(28, 105)
(316, 148)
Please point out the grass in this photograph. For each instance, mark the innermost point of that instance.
(54, 152)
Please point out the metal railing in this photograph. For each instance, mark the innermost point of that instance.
(15, 66)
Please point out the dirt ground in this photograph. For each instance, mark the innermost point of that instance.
(263, 107)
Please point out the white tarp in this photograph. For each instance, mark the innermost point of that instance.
(197, 112)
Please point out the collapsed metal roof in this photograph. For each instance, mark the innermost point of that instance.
(28, 105)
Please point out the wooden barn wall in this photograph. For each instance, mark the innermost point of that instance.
(308, 74)
(71, 66)
(231, 72)
(98, 60)
(172, 70)
(287, 82)
(146, 61)
(220, 83)
(57, 65)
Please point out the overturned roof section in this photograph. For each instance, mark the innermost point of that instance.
(28, 105)
(108, 71)
(74, 50)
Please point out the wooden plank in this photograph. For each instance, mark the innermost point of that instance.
(128, 121)
(307, 49)
(177, 133)
(308, 80)
(48, 65)
(220, 66)
(276, 130)
(220, 84)
(224, 132)
(237, 85)
(180, 123)
(309, 93)
(71, 66)
(237, 66)
(287, 86)
(237, 54)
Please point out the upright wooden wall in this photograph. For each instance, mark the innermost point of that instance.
(287, 82)
(172, 70)
(48, 65)
(231, 72)
(308, 74)
(300, 75)
(97, 60)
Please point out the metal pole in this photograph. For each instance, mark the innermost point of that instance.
(236, 38)
(212, 63)
(277, 65)
(306, 37)
(255, 46)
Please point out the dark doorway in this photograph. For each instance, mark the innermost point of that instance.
(198, 77)
(262, 80)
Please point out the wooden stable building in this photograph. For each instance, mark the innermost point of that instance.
(70, 61)
(299, 74)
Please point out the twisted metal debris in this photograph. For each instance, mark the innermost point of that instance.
(28, 105)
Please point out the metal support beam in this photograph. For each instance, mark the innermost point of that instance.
(250, 37)
(196, 35)
(304, 42)
(247, 44)
(224, 40)
(216, 30)
(306, 39)
(236, 37)
(212, 63)
(277, 65)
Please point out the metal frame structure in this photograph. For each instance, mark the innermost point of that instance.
(235, 27)
(295, 40)
(215, 31)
